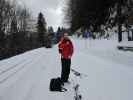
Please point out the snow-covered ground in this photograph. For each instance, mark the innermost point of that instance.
(109, 73)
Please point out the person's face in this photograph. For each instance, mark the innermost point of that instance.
(66, 36)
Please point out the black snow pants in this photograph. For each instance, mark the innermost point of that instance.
(66, 63)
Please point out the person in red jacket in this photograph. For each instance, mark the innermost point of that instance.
(66, 50)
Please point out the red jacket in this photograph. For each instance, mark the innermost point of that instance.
(66, 48)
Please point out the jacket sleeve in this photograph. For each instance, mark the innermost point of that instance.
(71, 49)
(60, 47)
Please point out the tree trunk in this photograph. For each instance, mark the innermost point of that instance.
(132, 34)
(119, 22)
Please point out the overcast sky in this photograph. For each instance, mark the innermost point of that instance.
(52, 10)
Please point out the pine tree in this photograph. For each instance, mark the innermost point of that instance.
(41, 28)
(58, 34)
(14, 25)
(86, 13)
(50, 30)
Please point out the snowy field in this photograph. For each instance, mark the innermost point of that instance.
(108, 73)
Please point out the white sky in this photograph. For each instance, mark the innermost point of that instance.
(52, 10)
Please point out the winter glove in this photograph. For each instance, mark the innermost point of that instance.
(60, 50)
(69, 57)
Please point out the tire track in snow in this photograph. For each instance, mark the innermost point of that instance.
(12, 74)
(14, 66)
(19, 69)
(26, 82)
